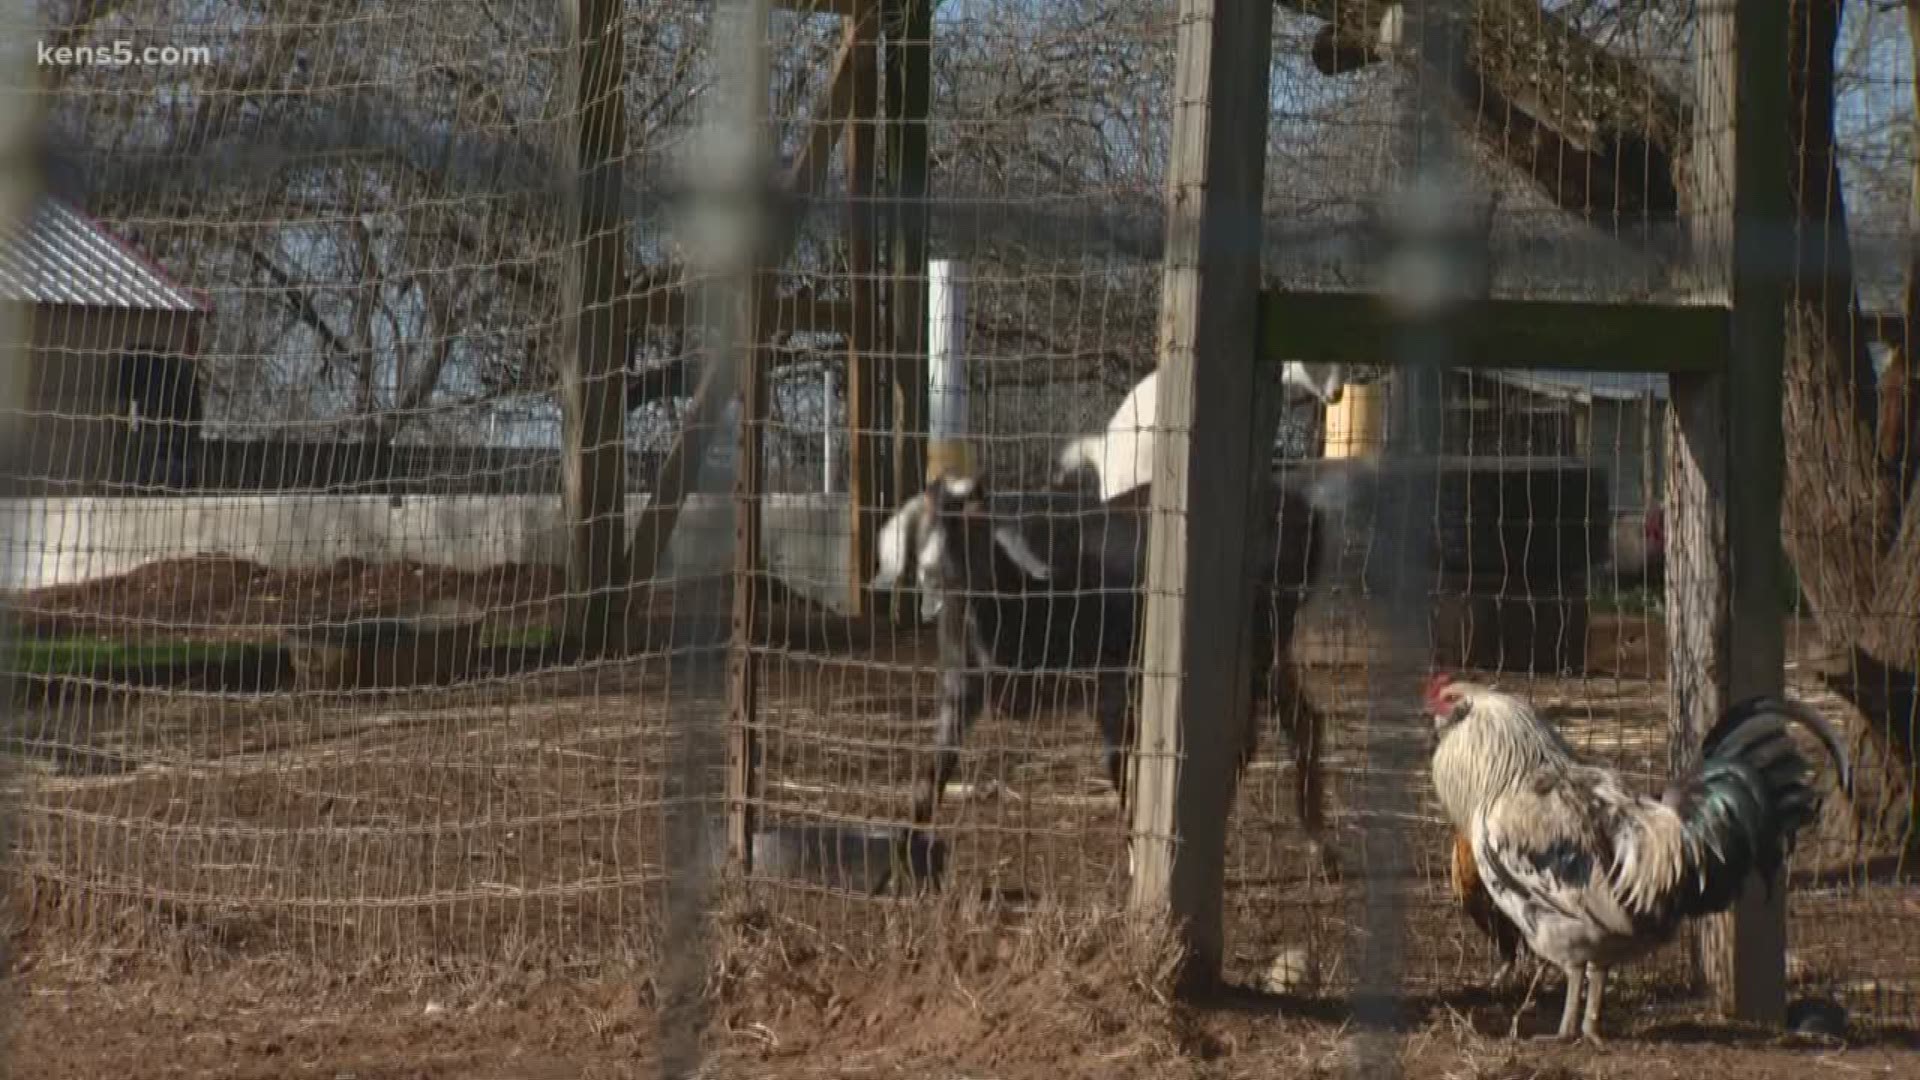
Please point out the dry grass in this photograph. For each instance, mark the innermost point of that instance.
(431, 827)
(948, 989)
(430, 883)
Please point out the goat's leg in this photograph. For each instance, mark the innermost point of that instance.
(1262, 694)
(1279, 584)
(1113, 711)
(963, 694)
(1303, 724)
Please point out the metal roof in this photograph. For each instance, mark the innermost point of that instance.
(70, 258)
(1584, 386)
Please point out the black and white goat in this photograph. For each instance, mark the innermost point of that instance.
(1040, 590)
(1119, 460)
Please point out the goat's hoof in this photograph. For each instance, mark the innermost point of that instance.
(1509, 976)
(1325, 857)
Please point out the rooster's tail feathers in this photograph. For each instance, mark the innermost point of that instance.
(1736, 729)
(1745, 804)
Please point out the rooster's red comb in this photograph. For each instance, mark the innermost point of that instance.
(1437, 682)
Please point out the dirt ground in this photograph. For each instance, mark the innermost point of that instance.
(215, 596)
(1064, 1001)
(466, 881)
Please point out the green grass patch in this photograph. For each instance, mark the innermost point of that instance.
(90, 657)
(57, 657)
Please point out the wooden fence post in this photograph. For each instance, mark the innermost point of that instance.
(864, 351)
(1195, 690)
(948, 444)
(20, 121)
(593, 375)
(909, 91)
(1724, 596)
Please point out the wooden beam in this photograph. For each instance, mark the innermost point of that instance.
(743, 667)
(1726, 636)
(909, 91)
(593, 385)
(848, 8)
(809, 171)
(1195, 689)
(803, 178)
(1357, 328)
(863, 367)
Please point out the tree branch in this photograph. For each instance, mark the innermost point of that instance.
(302, 304)
(1596, 132)
(424, 378)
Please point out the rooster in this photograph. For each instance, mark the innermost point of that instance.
(1472, 896)
(1593, 874)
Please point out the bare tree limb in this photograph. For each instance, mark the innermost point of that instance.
(1596, 132)
(301, 302)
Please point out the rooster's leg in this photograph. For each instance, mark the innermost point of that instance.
(1596, 995)
(1570, 1015)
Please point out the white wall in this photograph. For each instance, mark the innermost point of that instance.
(55, 541)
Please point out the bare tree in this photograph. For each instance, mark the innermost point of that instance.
(365, 187)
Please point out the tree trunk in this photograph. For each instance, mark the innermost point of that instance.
(1852, 539)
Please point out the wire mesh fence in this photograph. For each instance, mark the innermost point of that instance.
(298, 649)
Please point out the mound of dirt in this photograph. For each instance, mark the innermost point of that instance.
(215, 596)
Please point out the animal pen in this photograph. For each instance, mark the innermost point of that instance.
(688, 272)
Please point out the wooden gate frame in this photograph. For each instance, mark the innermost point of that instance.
(1724, 354)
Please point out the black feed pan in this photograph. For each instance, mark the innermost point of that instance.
(852, 858)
